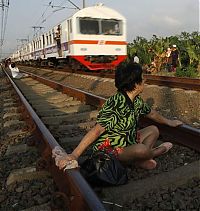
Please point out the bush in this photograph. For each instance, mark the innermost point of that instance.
(186, 72)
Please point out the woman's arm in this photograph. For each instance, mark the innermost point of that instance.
(87, 140)
(154, 115)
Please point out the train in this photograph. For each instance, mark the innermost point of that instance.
(93, 38)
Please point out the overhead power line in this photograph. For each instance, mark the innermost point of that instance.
(74, 4)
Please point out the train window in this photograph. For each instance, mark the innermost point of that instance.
(111, 27)
(43, 40)
(70, 26)
(50, 40)
(89, 26)
(47, 40)
(53, 36)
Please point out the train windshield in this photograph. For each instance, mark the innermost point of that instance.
(111, 27)
(100, 26)
(89, 26)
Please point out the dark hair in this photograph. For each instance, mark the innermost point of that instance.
(13, 65)
(127, 76)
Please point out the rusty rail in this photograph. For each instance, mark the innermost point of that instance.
(174, 82)
(77, 194)
(184, 135)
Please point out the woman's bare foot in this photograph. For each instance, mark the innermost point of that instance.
(146, 164)
(167, 146)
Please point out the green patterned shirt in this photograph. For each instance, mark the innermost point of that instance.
(119, 116)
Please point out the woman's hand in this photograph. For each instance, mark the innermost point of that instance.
(69, 161)
(64, 160)
(174, 123)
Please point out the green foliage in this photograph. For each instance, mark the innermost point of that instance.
(186, 72)
(140, 46)
(188, 45)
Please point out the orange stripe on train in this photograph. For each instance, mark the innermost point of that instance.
(98, 42)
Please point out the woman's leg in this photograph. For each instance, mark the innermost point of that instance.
(143, 153)
(148, 136)
(139, 152)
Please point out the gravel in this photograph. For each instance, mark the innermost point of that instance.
(172, 103)
(183, 198)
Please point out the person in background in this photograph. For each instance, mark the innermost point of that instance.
(175, 58)
(15, 71)
(136, 59)
(116, 130)
(168, 58)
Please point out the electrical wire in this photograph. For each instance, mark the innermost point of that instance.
(61, 7)
(42, 19)
(42, 16)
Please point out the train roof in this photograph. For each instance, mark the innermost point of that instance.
(99, 11)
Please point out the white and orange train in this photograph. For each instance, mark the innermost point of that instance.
(94, 37)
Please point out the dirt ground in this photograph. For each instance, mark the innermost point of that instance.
(171, 102)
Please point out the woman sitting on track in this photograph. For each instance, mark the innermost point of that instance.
(15, 72)
(117, 123)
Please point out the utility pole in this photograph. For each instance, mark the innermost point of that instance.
(35, 28)
(83, 3)
(4, 5)
(23, 41)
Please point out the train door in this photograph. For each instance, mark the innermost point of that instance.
(69, 30)
(58, 40)
(43, 46)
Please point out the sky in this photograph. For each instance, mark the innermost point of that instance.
(144, 17)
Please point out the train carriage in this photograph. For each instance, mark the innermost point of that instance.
(99, 37)
(94, 37)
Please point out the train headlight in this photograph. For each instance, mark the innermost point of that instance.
(83, 49)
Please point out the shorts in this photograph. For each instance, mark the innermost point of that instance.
(107, 148)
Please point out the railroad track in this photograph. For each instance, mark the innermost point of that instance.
(171, 102)
(69, 118)
(173, 82)
(19, 179)
(169, 81)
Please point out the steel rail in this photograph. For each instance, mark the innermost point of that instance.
(79, 195)
(174, 82)
(169, 81)
(184, 134)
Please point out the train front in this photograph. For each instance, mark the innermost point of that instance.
(99, 38)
